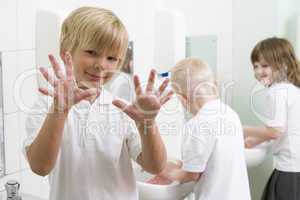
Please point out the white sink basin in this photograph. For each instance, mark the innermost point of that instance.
(174, 191)
(256, 155)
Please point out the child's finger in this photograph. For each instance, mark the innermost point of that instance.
(166, 98)
(69, 65)
(125, 108)
(48, 77)
(46, 92)
(120, 104)
(137, 85)
(163, 86)
(56, 67)
(151, 79)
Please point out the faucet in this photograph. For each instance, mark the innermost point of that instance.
(12, 190)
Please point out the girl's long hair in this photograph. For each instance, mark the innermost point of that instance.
(280, 55)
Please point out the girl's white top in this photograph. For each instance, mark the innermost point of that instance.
(283, 111)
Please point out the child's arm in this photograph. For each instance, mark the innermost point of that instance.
(174, 172)
(153, 156)
(261, 134)
(251, 142)
(144, 111)
(183, 176)
(43, 151)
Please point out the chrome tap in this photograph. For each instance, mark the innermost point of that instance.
(12, 190)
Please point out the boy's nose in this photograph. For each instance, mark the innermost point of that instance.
(101, 63)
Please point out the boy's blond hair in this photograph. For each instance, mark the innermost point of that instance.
(97, 29)
(193, 77)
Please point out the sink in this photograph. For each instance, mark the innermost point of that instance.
(176, 191)
(147, 191)
(255, 156)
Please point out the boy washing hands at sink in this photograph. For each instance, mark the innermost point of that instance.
(81, 137)
(212, 143)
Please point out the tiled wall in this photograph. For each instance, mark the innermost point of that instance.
(15, 63)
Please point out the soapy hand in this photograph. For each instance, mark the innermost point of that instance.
(159, 180)
(148, 103)
(168, 175)
(251, 142)
(65, 92)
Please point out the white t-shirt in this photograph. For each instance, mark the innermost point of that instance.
(213, 144)
(94, 160)
(283, 104)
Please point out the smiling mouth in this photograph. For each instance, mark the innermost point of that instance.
(264, 78)
(96, 77)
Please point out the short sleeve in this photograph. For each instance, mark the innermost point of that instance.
(35, 118)
(277, 107)
(133, 140)
(197, 146)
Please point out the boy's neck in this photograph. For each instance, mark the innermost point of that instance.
(92, 99)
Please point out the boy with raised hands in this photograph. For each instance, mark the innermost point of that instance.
(81, 137)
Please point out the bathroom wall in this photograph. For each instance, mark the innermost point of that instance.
(204, 18)
(287, 17)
